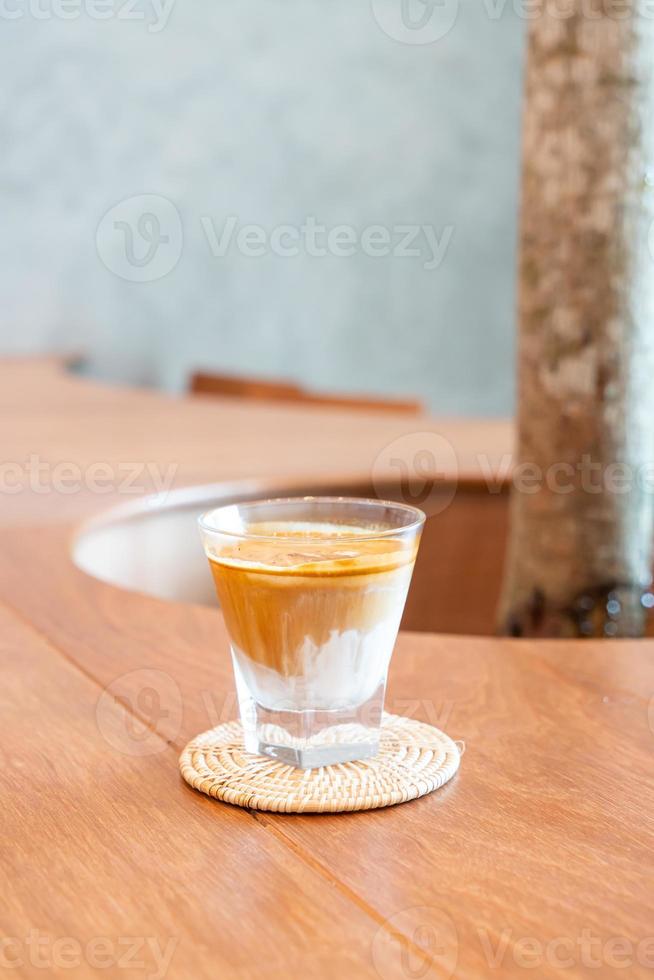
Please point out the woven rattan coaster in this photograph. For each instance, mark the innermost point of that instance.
(413, 759)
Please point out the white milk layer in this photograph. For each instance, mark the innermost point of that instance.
(343, 672)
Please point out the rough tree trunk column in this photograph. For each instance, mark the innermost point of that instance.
(579, 556)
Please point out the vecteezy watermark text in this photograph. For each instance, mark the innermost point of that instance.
(585, 475)
(562, 10)
(140, 712)
(42, 951)
(318, 240)
(41, 476)
(424, 467)
(587, 949)
(141, 239)
(423, 942)
(416, 22)
(155, 13)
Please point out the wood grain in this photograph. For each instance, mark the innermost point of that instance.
(545, 833)
(538, 853)
(55, 418)
(100, 843)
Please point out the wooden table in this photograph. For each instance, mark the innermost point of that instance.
(535, 860)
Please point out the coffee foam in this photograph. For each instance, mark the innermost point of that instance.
(293, 546)
(311, 529)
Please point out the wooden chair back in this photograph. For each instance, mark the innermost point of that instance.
(203, 383)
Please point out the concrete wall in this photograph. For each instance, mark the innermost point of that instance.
(131, 146)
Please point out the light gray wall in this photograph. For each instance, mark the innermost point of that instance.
(270, 111)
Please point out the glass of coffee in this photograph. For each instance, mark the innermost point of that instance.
(312, 590)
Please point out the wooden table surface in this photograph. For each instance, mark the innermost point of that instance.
(535, 860)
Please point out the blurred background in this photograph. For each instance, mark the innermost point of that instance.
(320, 193)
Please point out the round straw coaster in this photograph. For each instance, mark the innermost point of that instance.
(413, 759)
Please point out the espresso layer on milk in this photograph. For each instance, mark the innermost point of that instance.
(312, 610)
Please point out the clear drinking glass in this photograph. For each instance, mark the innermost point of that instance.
(312, 590)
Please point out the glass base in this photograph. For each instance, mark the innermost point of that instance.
(312, 737)
(307, 755)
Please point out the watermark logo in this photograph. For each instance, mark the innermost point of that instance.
(423, 466)
(427, 21)
(415, 21)
(140, 239)
(149, 698)
(419, 943)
